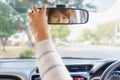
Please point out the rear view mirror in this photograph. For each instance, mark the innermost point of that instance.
(67, 16)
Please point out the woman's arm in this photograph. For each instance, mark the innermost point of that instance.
(50, 64)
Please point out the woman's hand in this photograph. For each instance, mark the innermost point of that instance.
(38, 23)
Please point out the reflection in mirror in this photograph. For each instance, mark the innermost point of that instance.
(66, 16)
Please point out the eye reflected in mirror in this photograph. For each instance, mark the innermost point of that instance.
(67, 16)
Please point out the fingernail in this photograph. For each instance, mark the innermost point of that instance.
(44, 6)
(33, 7)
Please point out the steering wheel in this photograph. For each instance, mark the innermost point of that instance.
(109, 70)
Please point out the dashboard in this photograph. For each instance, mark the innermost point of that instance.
(79, 68)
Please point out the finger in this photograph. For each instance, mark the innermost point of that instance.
(30, 15)
(35, 10)
(43, 10)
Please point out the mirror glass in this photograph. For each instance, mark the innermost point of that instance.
(66, 16)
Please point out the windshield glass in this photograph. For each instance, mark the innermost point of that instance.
(99, 38)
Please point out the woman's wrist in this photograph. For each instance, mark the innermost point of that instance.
(41, 36)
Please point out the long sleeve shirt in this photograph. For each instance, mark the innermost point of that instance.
(50, 64)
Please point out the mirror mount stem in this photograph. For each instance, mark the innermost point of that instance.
(61, 6)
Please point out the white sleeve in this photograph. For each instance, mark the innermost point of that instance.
(50, 64)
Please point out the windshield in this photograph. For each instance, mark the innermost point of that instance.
(99, 38)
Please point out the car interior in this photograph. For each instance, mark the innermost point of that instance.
(89, 43)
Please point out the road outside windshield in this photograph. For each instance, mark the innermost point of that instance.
(99, 38)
